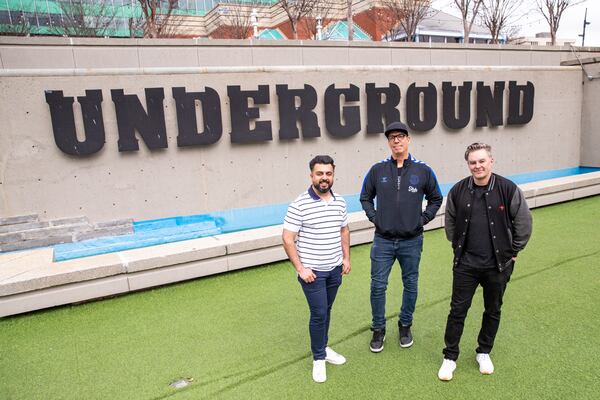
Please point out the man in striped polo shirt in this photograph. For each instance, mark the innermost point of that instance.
(316, 239)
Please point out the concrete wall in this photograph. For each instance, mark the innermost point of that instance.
(590, 123)
(37, 178)
(38, 52)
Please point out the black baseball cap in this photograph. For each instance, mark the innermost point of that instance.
(396, 127)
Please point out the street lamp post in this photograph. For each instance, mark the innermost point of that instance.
(585, 22)
(319, 28)
(254, 22)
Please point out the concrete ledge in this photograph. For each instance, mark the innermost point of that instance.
(255, 257)
(362, 237)
(57, 296)
(168, 254)
(30, 280)
(163, 276)
(35, 270)
(586, 191)
(435, 223)
(239, 242)
(61, 72)
(357, 221)
(553, 198)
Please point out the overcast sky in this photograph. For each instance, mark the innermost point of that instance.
(571, 24)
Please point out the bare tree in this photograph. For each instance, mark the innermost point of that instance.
(157, 15)
(469, 10)
(237, 17)
(513, 35)
(83, 18)
(135, 25)
(497, 15)
(552, 10)
(323, 9)
(409, 14)
(349, 20)
(296, 10)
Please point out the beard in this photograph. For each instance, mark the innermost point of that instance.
(322, 189)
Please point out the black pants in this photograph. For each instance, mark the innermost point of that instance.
(464, 282)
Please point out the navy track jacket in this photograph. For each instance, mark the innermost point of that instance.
(399, 212)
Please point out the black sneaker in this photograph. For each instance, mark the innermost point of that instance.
(376, 344)
(406, 338)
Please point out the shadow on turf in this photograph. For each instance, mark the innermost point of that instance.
(266, 371)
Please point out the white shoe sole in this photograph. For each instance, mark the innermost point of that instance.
(318, 378)
(447, 374)
(484, 372)
(407, 345)
(377, 350)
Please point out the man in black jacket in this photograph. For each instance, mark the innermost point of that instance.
(488, 222)
(399, 183)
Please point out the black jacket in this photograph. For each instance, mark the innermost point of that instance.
(507, 211)
(399, 212)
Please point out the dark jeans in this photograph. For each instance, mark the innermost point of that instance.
(321, 295)
(384, 253)
(465, 281)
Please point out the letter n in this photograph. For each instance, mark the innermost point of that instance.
(489, 106)
(131, 117)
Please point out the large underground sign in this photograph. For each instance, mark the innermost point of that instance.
(296, 109)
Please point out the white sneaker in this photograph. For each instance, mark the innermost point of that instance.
(319, 371)
(486, 366)
(447, 370)
(334, 358)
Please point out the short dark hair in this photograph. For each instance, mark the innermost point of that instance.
(324, 159)
(477, 146)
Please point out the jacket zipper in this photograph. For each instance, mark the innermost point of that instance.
(398, 181)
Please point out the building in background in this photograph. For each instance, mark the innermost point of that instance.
(544, 39)
(440, 27)
(232, 19)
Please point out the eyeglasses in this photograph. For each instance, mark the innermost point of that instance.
(398, 137)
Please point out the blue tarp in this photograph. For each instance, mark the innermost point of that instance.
(167, 230)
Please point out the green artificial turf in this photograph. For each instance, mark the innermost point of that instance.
(244, 335)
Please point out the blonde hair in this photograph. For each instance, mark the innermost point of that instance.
(477, 146)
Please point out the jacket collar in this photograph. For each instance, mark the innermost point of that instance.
(409, 160)
(490, 185)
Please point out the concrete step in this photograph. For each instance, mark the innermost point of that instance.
(25, 226)
(30, 244)
(70, 221)
(41, 233)
(20, 219)
(98, 232)
(66, 230)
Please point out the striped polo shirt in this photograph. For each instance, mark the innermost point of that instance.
(318, 223)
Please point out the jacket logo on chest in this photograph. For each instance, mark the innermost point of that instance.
(414, 180)
(384, 179)
(413, 189)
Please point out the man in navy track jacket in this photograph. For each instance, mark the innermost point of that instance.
(399, 184)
